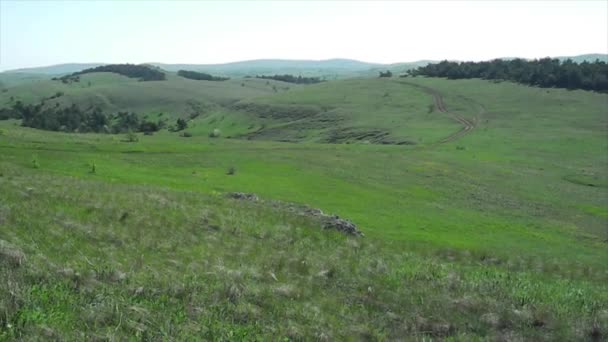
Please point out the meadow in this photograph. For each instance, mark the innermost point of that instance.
(499, 234)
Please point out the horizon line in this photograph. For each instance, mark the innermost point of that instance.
(295, 60)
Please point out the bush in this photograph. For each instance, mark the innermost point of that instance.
(35, 163)
(131, 137)
(185, 134)
(388, 73)
(181, 124)
(216, 133)
(231, 171)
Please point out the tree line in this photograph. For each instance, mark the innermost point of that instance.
(544, 72)
(200, 76)
(141, 72)
(74, 119)
(292, 79)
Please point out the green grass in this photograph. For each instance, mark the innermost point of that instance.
(176, 97)
(349, 110)
(497, 235)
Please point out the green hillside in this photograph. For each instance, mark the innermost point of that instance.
(175, 96)
(483, 208)
(350, 111)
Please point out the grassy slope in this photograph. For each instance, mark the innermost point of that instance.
(349, 110)
(443, 225)
(112, 93)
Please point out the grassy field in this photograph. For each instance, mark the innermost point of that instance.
(174, 97)
(500, 234)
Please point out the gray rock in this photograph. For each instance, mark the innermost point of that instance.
(243, 196)
(341, 225)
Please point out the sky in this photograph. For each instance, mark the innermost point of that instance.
(40, 33)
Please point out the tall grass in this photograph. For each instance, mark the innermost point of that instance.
(189, 266)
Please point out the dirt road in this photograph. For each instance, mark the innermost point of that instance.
(467, 124)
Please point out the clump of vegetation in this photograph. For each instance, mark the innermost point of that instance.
(93, 169)
(386, 73)
(74, 119)
(185, 134)
(131, 137)
(544, 72)
(231, 171)
(181, 124)
(9, 113)
(216, 133)
(142, 72)
(200, 76)
(35, 163)
(291, 79)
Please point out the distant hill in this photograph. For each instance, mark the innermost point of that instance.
(591, 57)
(58, 69)
(327, 69)
(274, 64)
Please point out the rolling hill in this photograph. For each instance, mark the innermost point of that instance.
(331, 68)
(482, 204)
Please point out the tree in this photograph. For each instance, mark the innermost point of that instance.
(544, 72)
(181, 124)
(200, 76)
(291, 79)
(388, 73)
(142, 72)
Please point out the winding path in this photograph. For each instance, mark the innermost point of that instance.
(467, 124)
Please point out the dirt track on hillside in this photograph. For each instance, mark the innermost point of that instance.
(468, 125)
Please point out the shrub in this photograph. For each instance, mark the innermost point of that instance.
(131, 137)
(181, 124)
(216, 133)
(231, 171)
(185, 134)
(388, 73)
(35, 163)
(93, 168)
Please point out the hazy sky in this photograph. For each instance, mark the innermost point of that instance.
(35, 33)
